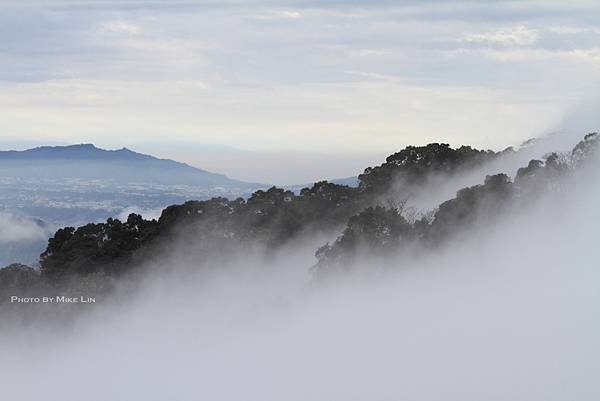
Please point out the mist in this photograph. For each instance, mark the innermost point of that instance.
(16, 229)
(502, 312)
(437, 188)
(21, 238)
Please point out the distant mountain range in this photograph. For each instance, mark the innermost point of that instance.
(86, 161)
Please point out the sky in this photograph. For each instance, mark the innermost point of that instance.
(287, 82)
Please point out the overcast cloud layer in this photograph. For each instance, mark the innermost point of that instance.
(328, 76)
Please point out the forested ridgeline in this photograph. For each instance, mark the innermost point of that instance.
(368, 218)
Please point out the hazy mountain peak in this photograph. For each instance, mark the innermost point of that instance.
(82, 151)
(87, 161)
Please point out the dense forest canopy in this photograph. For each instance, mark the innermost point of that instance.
(368, 219)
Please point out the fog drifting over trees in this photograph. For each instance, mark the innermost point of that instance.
(502, 310)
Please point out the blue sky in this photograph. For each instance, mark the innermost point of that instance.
(323, 77)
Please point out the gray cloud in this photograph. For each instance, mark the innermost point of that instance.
(249, 73)
(258, 43)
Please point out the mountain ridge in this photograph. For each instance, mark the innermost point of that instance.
(89, 153)
(86, 151)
